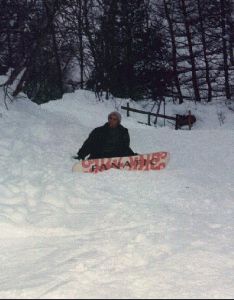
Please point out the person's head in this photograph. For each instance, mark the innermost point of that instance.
(114, 119)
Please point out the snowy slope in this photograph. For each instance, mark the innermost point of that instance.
(116, 234)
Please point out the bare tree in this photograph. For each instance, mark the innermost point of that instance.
(191, 53)
(174, 51)
(205, 49)
(225, 52)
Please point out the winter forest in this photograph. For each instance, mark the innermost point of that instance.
(116, 149)
(134, 49)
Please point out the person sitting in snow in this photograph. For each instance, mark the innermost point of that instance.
(109, 140)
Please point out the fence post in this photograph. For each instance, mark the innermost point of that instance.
(149, 120)
(128, 114)
(189, 120)
(177, 122)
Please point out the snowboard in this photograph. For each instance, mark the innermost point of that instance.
(141, 162)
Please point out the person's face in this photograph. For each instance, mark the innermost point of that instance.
(113, 121)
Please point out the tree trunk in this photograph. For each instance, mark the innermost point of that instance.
(204, 44)
(174, 54)
(129, 54)
(50, 16)
(92, 47)
(9, 50)
(191, 53)
(81, 46)
(225, 50)
(230, 22)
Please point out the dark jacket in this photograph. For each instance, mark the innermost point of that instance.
(93, 146)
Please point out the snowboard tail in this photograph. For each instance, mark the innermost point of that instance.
(143, 162)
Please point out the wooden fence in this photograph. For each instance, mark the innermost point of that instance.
(177, 118)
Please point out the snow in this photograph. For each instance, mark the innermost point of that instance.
(3, 79)
(164, 234)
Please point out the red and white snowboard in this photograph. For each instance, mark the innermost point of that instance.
(142, 162)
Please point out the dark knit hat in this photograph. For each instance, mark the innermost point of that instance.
(117, 114)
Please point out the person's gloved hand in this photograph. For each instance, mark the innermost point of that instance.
(77, 157)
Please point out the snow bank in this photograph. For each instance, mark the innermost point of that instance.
(116, 234)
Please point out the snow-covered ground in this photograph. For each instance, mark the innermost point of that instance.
(167, 234)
